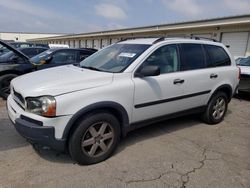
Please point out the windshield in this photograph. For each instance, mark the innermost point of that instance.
(42, 56)
(3, 50)
(115, 58)
(244, 62)
(7, 56)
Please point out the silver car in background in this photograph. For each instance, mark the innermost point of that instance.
(244, 64)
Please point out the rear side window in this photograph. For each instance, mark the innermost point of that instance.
(217, 56)
(83, 55)
(192, 57)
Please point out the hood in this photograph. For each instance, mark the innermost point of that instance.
(59, 80)
(245, 70)
(14, 50)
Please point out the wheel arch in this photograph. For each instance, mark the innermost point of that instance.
(226, 88)
(114, 108)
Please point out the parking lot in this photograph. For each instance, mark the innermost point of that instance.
(183, 152)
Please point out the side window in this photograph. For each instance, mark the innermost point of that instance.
(41, 50)
(193, 57)
(27, 51)
(64, 57)
(166, 58)
(83, 55)
(217, 56)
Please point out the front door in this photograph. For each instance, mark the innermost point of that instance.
(158, 95)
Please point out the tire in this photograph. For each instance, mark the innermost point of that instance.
(95, 138)
(5, 85)
(216, 108)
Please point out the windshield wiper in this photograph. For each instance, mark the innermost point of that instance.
(91, 68)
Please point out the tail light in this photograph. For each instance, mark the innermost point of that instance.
(239, 73)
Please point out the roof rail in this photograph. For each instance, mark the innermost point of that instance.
(162, 38)
(142, 37)
(191, 37)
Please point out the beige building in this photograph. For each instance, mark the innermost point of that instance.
(232, 31)
(24, 36)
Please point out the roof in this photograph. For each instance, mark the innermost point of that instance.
(220, 21)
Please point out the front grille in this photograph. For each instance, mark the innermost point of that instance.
(18, 98)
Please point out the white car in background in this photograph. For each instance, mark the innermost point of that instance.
(244, 64)
(86, 109)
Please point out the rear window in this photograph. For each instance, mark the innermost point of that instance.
(217, 56)
(192, 57)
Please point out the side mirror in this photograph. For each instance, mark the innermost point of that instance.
(46, 60)
(150, 70)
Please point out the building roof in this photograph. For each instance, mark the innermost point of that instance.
(213, 22)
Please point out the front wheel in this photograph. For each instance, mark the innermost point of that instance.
(95, 138)
(216, 108)
(5, 85)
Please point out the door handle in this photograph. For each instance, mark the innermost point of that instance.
(213, 76)
(178, 81)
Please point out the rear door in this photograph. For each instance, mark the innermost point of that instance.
(197, 81)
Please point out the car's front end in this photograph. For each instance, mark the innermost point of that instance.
(37, 106)
(35, 119)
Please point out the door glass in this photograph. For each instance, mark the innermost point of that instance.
(64, 57)
(165, 57)
(192, 57)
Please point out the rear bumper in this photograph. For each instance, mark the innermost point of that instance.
(244, 84)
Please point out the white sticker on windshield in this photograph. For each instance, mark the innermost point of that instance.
(124, 54)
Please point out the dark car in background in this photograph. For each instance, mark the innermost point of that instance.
(23, 64)
(30, 52)
(244, 64)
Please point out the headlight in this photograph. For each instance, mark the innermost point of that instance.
(44, 106)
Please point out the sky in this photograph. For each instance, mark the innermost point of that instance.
(80, 16)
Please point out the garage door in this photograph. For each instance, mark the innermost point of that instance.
(105, 42)
(77, 44)
(237, 42)
(89, 44)
(97, 44)
(83, 44)
(71, 44)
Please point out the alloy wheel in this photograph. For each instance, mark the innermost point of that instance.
(97, 139)
(219, 108)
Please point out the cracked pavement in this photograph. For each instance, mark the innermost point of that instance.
(181, 153)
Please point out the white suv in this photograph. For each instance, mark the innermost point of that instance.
(88, 108)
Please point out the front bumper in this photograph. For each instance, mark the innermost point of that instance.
(39, 134)
(32, 129)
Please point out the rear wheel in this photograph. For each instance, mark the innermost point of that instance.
(216, 108)
(95, 138)
(5, 85)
